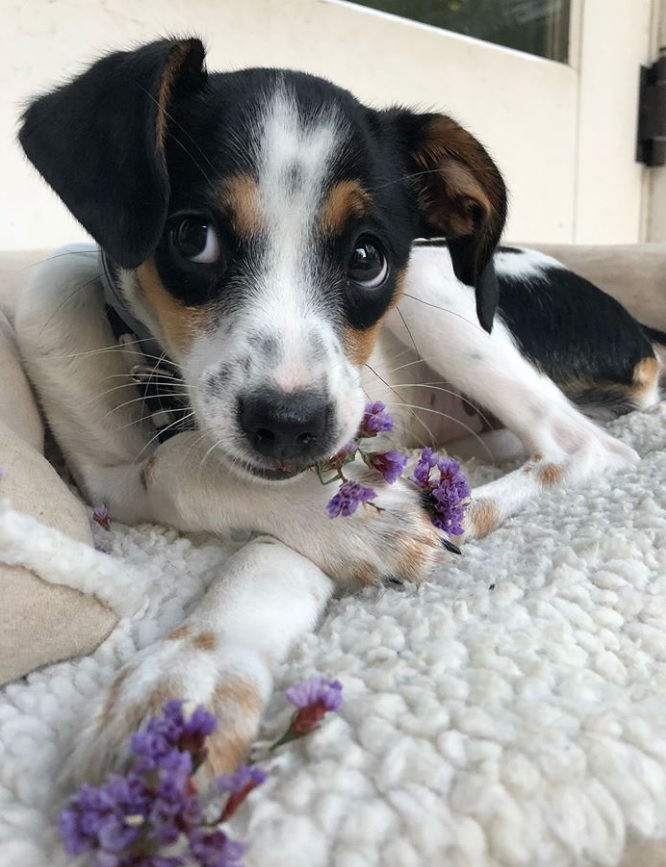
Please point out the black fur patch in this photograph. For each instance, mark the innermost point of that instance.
(578, 335)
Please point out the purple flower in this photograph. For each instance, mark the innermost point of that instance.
(176, 806)
(97, 817)
(215, 849)
(240, 779)
(447, 495)
(390, 464)
(239, 784)
(426, 462)
(100, 516)
(316, 689)
(375, 420)
(314, 699)
(176, 731)
(129, 818)
(350, 495)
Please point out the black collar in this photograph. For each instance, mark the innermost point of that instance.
(158, 379)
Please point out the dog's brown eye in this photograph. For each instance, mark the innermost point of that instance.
(368, 266)
(195, 240)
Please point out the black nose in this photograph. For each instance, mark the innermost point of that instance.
(285, 426)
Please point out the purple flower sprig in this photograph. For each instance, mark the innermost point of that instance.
(313, 699)
(100, 516)
(447, 497)
(390, 465)
(132, 819)
(153, 816)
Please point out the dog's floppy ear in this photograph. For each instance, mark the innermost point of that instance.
(99, 141)
(460, 195)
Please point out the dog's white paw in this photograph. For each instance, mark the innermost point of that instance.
(391, 540)
(186, 665)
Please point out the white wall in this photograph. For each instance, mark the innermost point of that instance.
(525, 109)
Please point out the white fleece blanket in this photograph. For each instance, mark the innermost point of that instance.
(510, 712)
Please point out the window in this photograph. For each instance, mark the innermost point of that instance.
(535, 26)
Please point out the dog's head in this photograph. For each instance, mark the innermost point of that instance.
(263, 221)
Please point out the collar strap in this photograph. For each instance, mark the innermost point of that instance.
(115, 301)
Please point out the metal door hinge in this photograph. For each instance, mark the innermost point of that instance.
(651, 139)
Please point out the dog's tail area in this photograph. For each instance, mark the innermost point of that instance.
(658, 340)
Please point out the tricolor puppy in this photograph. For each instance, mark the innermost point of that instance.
(258, 283)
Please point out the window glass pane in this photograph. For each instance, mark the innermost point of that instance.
(535, 26)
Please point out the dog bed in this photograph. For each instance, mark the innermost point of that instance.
(511, 711)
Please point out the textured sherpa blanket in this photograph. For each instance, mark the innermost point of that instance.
(510, 712)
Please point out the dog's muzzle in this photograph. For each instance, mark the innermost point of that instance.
(287, 429)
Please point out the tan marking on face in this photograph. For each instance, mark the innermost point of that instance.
(483, 516)
(113, 695)
(179, 323)
(550, 474)
(240, 197)
(359, 345)
(347, 200)
(179, 632)
(206, 641)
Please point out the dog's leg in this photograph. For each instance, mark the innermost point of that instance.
(563, 445)
(222, 656)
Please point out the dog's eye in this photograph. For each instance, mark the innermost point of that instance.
(367, 264)
(195, 240)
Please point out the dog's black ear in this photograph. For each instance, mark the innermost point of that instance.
(460, 194)
(99, 141)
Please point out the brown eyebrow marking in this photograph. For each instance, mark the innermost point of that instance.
(345, 200)
(239, 196)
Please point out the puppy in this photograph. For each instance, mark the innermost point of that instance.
(257, 283)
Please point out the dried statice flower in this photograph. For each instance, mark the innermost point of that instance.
(176, 729)
(215, 849)
(100, 516)
(130, 820)
(314, 699)
(447, 495)
(349, 497)
(239, 785)
(390, 464)
(376, 420)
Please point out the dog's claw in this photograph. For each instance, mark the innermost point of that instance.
(454, 549)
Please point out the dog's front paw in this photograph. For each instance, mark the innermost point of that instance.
(187, 665)
(389, 540)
